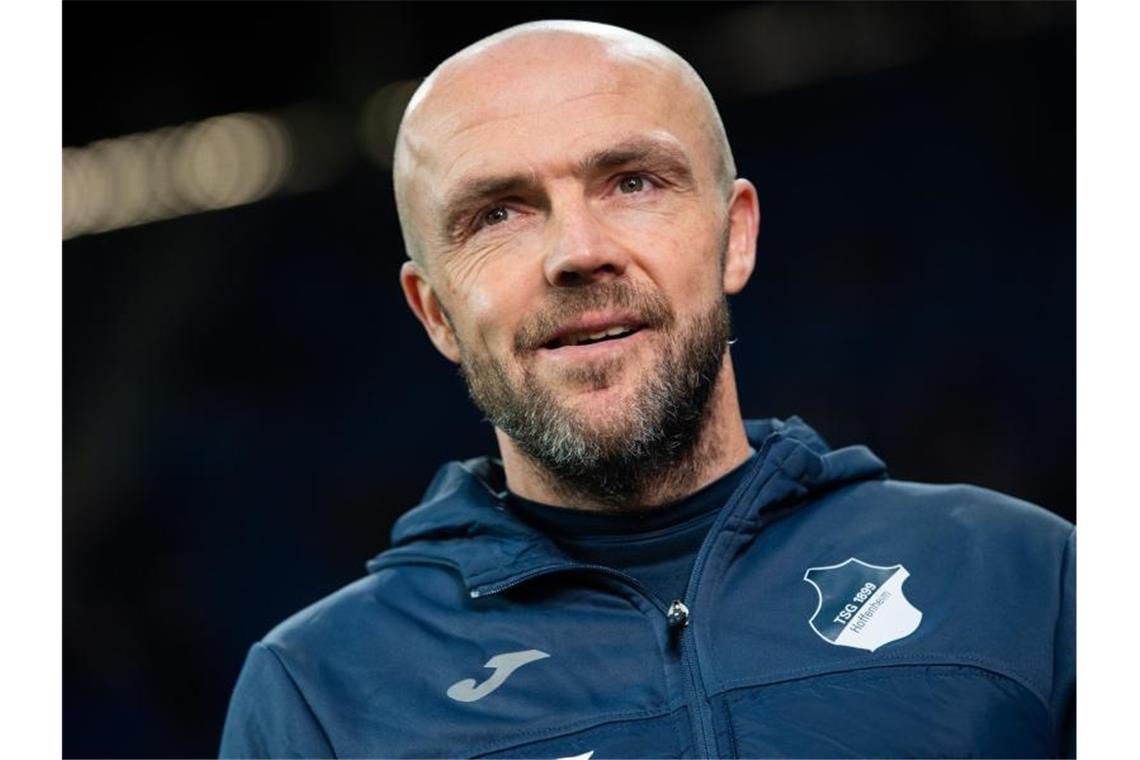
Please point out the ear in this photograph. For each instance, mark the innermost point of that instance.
(425, 304)
(743, 226)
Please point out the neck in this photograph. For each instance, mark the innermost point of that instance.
(721, 447)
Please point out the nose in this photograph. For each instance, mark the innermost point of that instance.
(583, 251)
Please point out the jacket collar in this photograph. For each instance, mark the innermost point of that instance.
(463, 521)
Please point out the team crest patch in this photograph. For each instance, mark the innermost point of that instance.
(861, 605)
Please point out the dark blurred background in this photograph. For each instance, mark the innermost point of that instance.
(248, 404)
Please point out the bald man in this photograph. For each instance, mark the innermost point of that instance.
(642, 573)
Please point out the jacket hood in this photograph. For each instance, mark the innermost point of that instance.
(463, 520)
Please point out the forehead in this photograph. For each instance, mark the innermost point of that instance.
(541, 107)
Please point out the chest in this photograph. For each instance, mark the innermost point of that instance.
(583, 665)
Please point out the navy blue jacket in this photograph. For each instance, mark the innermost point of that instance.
(831, 612)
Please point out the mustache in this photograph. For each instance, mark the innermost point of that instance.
(566, 305)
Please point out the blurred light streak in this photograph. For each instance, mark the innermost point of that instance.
(218, 163)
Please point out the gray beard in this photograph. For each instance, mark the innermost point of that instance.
(651, 449)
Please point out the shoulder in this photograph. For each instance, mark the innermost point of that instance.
(304, 683)
(951, 514)
(992, 576)
(994, 571)
(970, 502)
(373, 609)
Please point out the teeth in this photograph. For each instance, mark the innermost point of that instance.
(573, 340)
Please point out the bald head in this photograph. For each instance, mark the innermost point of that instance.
(498, 87)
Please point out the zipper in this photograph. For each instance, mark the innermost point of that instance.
(702, 715)
(704, 730)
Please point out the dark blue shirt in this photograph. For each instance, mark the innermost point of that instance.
(657, 546)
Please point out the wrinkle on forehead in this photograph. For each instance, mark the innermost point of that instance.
(573, 60)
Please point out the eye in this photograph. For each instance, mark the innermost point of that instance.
(632, 183)
(496, 215)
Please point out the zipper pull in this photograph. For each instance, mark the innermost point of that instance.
(677, 615)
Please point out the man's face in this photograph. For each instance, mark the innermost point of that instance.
(575, 232)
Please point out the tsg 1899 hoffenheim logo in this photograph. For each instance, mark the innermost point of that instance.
(861, 605)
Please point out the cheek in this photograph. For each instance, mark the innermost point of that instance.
(482, 304)
(493, 304)
(684, 258)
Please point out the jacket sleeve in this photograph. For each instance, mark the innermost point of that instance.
(1064, 699)
(268, 715)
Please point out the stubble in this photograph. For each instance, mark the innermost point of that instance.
(622, 457)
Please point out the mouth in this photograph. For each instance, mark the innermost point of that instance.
(583, 338)
(594, 336)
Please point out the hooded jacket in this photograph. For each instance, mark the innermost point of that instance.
(831, 612)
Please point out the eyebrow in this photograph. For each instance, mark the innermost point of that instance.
(643, 150)
(473, 192)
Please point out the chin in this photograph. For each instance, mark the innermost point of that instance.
(602, 394)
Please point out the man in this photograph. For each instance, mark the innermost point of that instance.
(645, 574)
